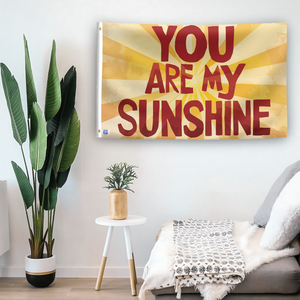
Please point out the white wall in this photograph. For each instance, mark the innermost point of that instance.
(177, 179)
(4, 229)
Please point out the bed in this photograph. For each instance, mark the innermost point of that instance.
(261, 256)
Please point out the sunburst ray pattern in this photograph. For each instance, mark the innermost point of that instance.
(153, 86)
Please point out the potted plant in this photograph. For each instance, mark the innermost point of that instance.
(121, 176)
(53, 141)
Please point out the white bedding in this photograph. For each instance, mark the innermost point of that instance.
(159, 270)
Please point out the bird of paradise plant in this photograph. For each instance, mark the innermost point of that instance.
(53, 142)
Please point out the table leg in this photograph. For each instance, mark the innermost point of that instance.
(104, 258)
(135, 277)
(130, 260)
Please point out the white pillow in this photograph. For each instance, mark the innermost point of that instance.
(262, 216)
(284, 223)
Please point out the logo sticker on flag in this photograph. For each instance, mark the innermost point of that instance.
(192, 81)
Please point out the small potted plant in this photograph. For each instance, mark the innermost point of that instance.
(121, 176)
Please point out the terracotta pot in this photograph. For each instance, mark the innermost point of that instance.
(40, 272)
(118, 209)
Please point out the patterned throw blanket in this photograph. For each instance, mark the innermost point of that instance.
(205, 252)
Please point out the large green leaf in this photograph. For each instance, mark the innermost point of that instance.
(24, 185)
(60, 122)
(52, 125)
(65, 153)
(62, 178)
(50, 194)
(38, 137)
(68, 91)
(30, 87)
(13, 99)
(53, 95)
(45, 172)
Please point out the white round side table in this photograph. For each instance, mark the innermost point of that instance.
(130, 221)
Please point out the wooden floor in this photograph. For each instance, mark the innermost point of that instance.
(69, 288)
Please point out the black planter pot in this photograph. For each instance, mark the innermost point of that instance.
(40, 272)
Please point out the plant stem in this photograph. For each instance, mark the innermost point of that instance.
(50, 236)
(27, 217)
(25, 162)
(30, 232)
(49, 233)
(53, 218)
(34, 209)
